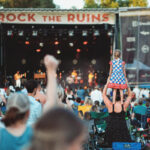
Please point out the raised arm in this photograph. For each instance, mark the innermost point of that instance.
(110, 71)
(124, 70)
(51, 65)
(128, 100)
(107, 102)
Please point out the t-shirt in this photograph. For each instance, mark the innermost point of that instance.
(96, 95)
(81, 94)
(11, 142)
(142, 110)
(85, 108)
(35, 110)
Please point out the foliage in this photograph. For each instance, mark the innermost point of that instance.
(27, 3)
(115, 3)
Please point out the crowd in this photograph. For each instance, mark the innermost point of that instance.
(56, 117)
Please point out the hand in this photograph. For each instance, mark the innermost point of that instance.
(51, 63)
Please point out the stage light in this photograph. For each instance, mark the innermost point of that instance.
(9, 33)
(84, 33)
(56, 42)
(34, 33)
(20, 33)
(38, 50)
(71, 44)
(93, 61)
(41, 44)
(110, 33)
(96, 33)
(85, 42)
(78, 50)
(58, 52)
(71, 33)
(27, 42)
(23, 61)
(75, 61)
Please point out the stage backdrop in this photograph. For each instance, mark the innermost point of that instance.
(57, 17)
(135, 39)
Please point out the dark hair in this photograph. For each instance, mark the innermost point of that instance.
(140, 102)
(56, 129)
(118, 95)
(96, 103)
(31, 85)
(18, 89)
(12, 116)
(78, 100)
(94, 108)
(117, 54)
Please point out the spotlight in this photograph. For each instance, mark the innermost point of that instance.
(75, 61)
(58, 52)
(110, 33)
(96, 33)
(56, 42)
(84, 33)
(27, 42)
(71, 44)
(41, 44)
(34, 33)
(93, 61)
(38, 50)
(9, 33)
(20, 33)
(23, 61)
(78, 50)
(71, 33)
(85, 42)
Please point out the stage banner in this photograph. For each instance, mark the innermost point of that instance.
(135, 35)
(57, 17)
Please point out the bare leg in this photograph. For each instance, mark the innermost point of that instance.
(114, 95)
(121, 95)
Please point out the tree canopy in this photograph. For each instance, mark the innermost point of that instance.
(115, 3)
(27, 3)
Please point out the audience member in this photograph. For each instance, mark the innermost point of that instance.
(35, 106)
(16, 134)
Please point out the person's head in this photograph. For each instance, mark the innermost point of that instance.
(58, 129)
(18, 72)
(87, 116)
(18, 89)
(31, 86)
(147, 104)
(96, 103)
(78, 100)
(88, 101)
(94, 109)
(17, 109)
(118, 98)
(117, 54)
(60, 92)
(140, 102)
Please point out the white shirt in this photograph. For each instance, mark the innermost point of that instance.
(96, 95)
(137, 92)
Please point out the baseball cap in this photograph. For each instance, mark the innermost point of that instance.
(19, 101)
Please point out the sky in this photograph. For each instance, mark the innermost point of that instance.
(67, 4)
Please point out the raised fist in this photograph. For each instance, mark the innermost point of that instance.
(51, 62)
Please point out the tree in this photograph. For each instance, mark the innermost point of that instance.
(28, 4)
(115, 3)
